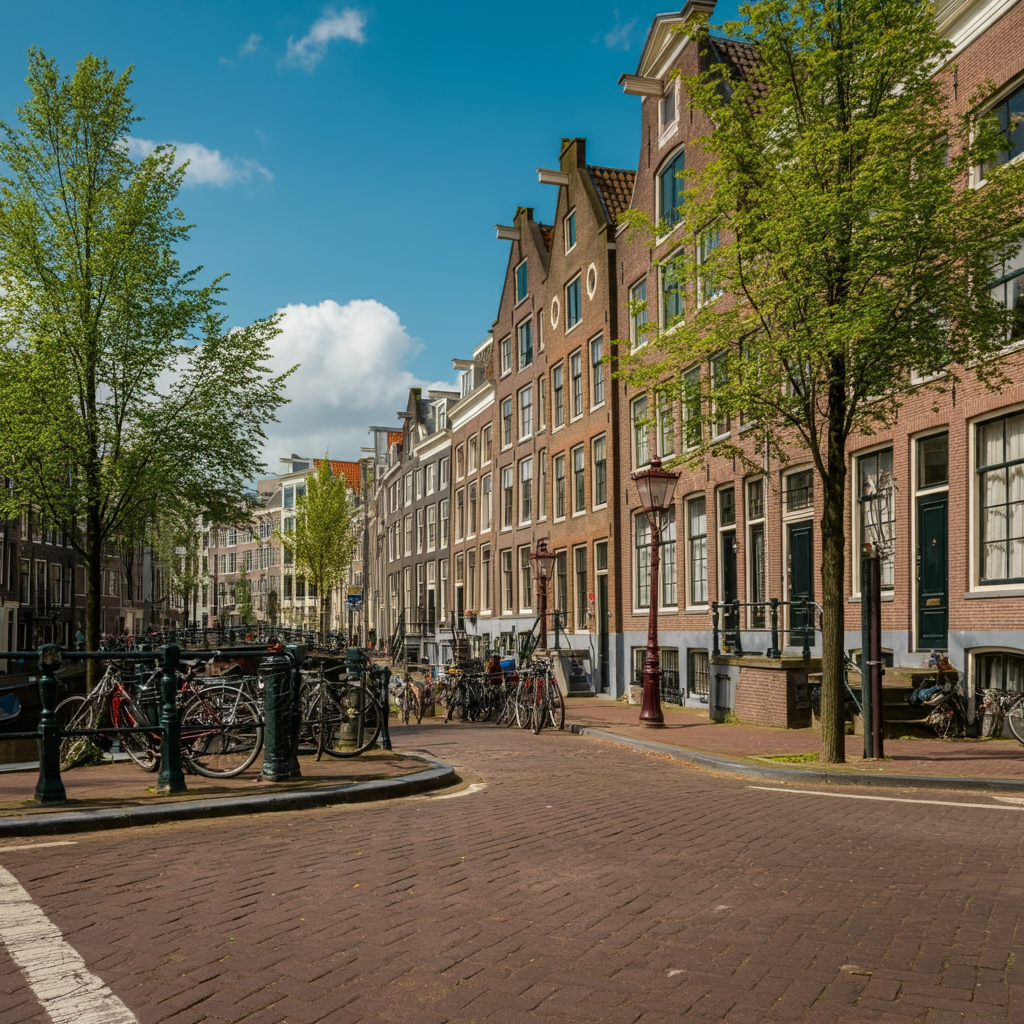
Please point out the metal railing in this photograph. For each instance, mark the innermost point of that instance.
(801, 629)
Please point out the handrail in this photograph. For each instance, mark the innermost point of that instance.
(733, 633)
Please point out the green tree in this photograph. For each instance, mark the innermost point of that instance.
(177, 543)
(272, 607)
(115, 367)
(324, 541)
(835, 254)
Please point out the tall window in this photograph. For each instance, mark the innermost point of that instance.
(1008, 291)
(877, 500)
(444, 523)
(800, 490)
(408, 534)
(485, 444)
(718, 380)
(570, 231)
(460, 514)
(641, 432)
(673, 305)
(558, 395)
(525, 579)
(562, 583)
(542, 402)
(1001, 497)
(526, 411)
(473, 453)
(667, 552)
(576, 373)
(525, 344)
(582, 593)
(697, 525)
(579, 481)
(600, 471)
(485, 579)
(506, 422)
(559, 486)
(506, 354)
(542, 485)
(485, 502)
(573, 304)
(506, 580)
(1010, 115)
(522, 282)
(597, 368)
(420, 532)
(526, 490)
(506, 496)
(637, 313)
(666, 426)
(670, 190)
(431, 527)
(691, 407)
(709, 286)
(471, 515)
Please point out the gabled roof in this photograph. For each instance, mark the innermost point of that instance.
(614, 187)
(739, 58)
(349, 470)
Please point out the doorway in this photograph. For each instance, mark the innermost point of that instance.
(933, 572)
(801, 582)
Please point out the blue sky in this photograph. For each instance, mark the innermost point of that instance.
(349, 162)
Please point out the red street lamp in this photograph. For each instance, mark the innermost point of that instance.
(542, 559)
(655, 486)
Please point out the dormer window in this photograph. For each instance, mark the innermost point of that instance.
(668, 109)
(522, 282)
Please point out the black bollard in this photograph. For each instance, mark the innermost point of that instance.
(384, 676)
(277, 686)
(298, 654)
(171, 778)
(49, 788)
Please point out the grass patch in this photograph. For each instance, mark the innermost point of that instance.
(792, 758)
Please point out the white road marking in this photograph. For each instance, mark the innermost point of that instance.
(889, 799)
(69, 993)
(1009, 799)
(473, 787)
(37, 846)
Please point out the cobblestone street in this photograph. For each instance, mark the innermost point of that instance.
(581, 882)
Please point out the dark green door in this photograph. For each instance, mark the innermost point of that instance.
(801, 581)
(933, 572)
(730, 584)
(604, 678)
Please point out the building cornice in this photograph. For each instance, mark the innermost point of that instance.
(472, 405)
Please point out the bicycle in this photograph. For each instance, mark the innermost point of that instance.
(410, 699)
(342, 718)
(1008, 706)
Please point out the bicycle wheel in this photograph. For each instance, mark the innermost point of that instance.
(75, 713)
(347, 721)
(221, 733)
(404, 704)
(419, 704)
(524, 706)
(538, 715)
(1015, 720)
(456, 708)
(555, 704)
(137, 745)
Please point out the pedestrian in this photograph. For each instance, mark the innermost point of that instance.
(495, 676)
(79, 639)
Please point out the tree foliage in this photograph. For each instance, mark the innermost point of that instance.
(121, 388)
(831, 252)
(324, 540)
(177, 537)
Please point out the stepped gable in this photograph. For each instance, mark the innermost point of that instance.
(614, 187)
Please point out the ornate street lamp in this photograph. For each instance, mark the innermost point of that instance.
(542, 559)
(655, 486)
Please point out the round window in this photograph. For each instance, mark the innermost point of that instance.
(554, 312)
(591, 281)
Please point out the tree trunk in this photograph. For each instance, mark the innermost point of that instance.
(833, 563)
(94, 592)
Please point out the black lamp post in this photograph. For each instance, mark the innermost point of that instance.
(542, 559)
(655, 486)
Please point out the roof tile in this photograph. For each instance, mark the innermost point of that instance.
(614, 188)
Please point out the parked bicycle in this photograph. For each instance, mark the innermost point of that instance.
(341, 718)
(997, 706)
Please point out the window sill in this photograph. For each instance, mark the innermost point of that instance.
(886, 598)
(569, 330)
(519, 302)
(599, 508)
(977, 595)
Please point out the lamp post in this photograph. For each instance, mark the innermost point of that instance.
(655, 486)
(542, 559)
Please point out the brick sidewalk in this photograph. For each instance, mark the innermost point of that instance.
(123, 784)
(690, 729)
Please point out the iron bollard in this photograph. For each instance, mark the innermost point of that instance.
(774, 651)
(277, 700)
(738, 642)
(298, 654)
(383, 676)
(716, 648)
(171, 778)
(49, 788)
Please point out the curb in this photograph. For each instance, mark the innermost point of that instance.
(841, 778)
(437, 776)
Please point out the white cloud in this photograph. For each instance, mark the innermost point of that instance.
(206, 166)
(308, 51)
(350, 376)
(618, 37)
(250, 46)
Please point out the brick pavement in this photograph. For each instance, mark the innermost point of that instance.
(689, 728)
(584, 883)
